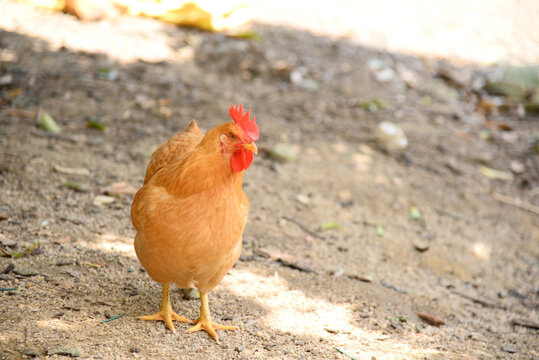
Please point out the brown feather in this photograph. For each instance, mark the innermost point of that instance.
(175, 149)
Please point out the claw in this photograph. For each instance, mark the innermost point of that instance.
(205, 322)
(165, 312)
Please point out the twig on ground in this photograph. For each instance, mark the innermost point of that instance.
(451, 215)
(112, 318)
(525, 323)
(344, 353)
(303, 227)
(476, 300)
(389, 286)
(516, 203)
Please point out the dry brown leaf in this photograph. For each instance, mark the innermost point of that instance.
(431, 319)
(62, 240)
(119, 189)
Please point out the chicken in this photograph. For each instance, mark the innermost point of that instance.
(191, 211)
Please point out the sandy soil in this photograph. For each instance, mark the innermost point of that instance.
(478, 265)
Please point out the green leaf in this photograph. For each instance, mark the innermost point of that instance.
(426, 100)
(18, 255)
(379, 230)
(48, 124)
(369, 105)
(75, 185)
(330, 225)
(96, 124)
(485, 134)
(496, 174)
(415, 213)
(249, 35)
(381, 103)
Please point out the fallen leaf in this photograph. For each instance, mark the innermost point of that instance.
(496, 174)
(96, 124)
(415, 213)
(75, 185)
(103, 200)
(284, 152)
(48, 124)
(62, 240)
(119, 189)
(426, 100)
(18, 255)
(72, 171)
(250, 35)
(379, 230)
(331, 225)
(431, 319)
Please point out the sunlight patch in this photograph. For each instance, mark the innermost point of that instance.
(294, 312)
(55, 324)
(112, 243)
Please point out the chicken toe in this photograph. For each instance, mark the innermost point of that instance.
(205, 322)
(165, 312)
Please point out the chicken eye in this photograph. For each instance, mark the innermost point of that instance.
(232, 136)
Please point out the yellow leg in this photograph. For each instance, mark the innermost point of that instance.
(204, 321)
(165, 312)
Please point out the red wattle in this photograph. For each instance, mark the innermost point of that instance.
(241, 159)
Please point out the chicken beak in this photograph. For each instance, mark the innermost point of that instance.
(251, 146)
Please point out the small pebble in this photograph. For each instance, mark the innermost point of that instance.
(304, 199)
(32, 352)
(134, 350)
(191, 294)
(509, 349)
(420, 245)
(391, 137)
(517, 167)
(64, 351)
(284, 152)
(240, 348)
(26, 272)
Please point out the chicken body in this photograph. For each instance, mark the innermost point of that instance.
(190, 215)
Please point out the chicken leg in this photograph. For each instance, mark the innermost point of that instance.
(205, 322)
(165, 312)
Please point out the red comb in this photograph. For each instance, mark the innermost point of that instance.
(249, 127)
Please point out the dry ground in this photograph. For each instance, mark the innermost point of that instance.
(479, 273)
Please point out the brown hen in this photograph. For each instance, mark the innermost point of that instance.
(191, 211)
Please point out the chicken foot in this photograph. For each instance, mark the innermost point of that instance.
(205, 322)
(165, 312)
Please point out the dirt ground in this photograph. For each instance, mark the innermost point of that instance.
(469, 257)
